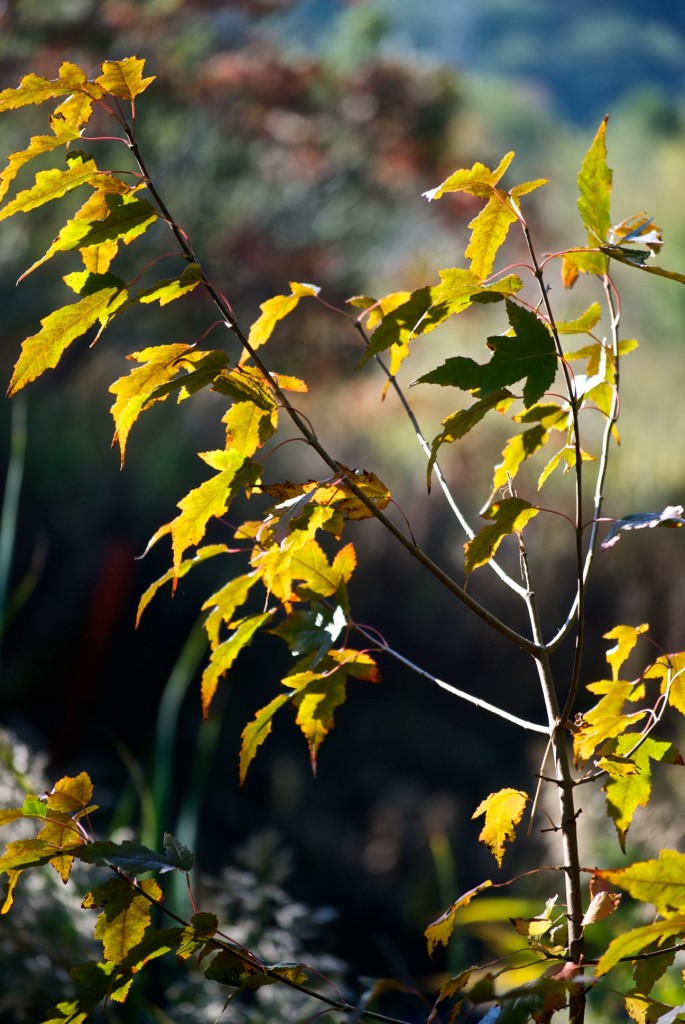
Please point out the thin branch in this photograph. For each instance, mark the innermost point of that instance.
(468, 697)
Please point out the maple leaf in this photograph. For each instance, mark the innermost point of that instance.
(510, 516)
(439, 931)
(125, 917)
(503, 811)
(124, 78)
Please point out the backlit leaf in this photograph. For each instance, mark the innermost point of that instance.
(29, 853)
(276, 309)
(212, 498)
(60, 831)
(256, 731)
(594, 201)
(503, 811)
(582, 324)
(123, 78)
(427, 308)
(601, 905)
(53, 184)
(630, 943)
(33, 89)
(661, 881)
(224, 655)
(627, 791)
(440, 931)
(647, 972)
(644, 1010)
(626, 637)
(125, 914)
(248, 426)
(488, 233)
(172, 288)
(606, 719)
(229, 969)
(128, 218)
(477, 180)
(224, 604)
(63, 134)
(44, 350)
(208, 551)
(670, 669)
(510, 516)
(160, 363)
(71, 795)
(202, 927)
(517, 449)
(460, 423)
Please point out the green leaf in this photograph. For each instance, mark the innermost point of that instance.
(125, 917)
(276, 309)
(130, 856)
(256, 732)
(594, 202)
(582, 324)
(172, 288)
(178, 855)
(123, 78)
(503, 811)
(460, 423)
(225, 654)
(229, 969)
(54, 184)
(202, 927)
(510, 516)
(647, 972)
(529, 353)
(99, 981)
(312, 632)
(44, 350)
(440, 931)
(633, 258)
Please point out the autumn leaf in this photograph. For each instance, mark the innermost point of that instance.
(33, 89)
(503, 811)
(125, 916)
(276, 309)
(257, 731)
(172, 288)
(248, 426)
(207, 551)
(71, 795)
(43, 351)
(124, 78)
(631, 943)
(460, 423)
(606, 720)
(478, 180)
(212, 498)
(53, 184)
(661, 881)
(626, 637)
(670, 670)
(510, 516)
(440, 931)
(224, 655)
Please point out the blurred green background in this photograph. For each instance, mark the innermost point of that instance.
(293, 140)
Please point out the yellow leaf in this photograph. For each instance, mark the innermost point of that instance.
(670, 669)
(478, 180)
(212, 498)
(33, 89)
(503, 811)
(606, 719)
(173, 287)
(249, 426)
(440, 931)
(224, 604)
(510, 516)
(161, 363)
(633, 942)
(661, 882)
(274, 310)
(488, 232)
(71, 795)
(626, 637)
(256, 731)
(39, 144)
(517, 449)
(123, 78)
(208, 551)
(225, 654)
(61, 831)
(125, 917)
(44, 350)
(53, 184)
